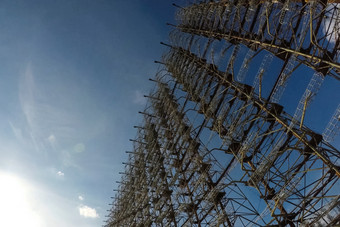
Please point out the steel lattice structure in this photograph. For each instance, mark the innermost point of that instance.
(214, 150)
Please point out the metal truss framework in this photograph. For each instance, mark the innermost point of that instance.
(215, 151)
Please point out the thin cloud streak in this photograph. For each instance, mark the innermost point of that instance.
(42, 115)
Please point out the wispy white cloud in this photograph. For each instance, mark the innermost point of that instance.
(16, 131)
(56, 119)
(45, 112)
(27, 93)
(61, 174)
(88, 212)
(27, 90)
(81, 198)
(139, 98)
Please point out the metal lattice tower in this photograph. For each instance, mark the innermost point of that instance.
(214, 150)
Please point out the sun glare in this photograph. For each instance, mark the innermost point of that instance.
(16, 208)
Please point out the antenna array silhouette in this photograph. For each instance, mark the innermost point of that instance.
(215, 151)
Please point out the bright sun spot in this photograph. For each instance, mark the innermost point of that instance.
(16, 208)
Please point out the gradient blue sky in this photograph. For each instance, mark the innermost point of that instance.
(73, 75)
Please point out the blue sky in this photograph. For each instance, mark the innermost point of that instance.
(73, 75)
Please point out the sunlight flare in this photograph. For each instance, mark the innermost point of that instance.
(16, 208)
